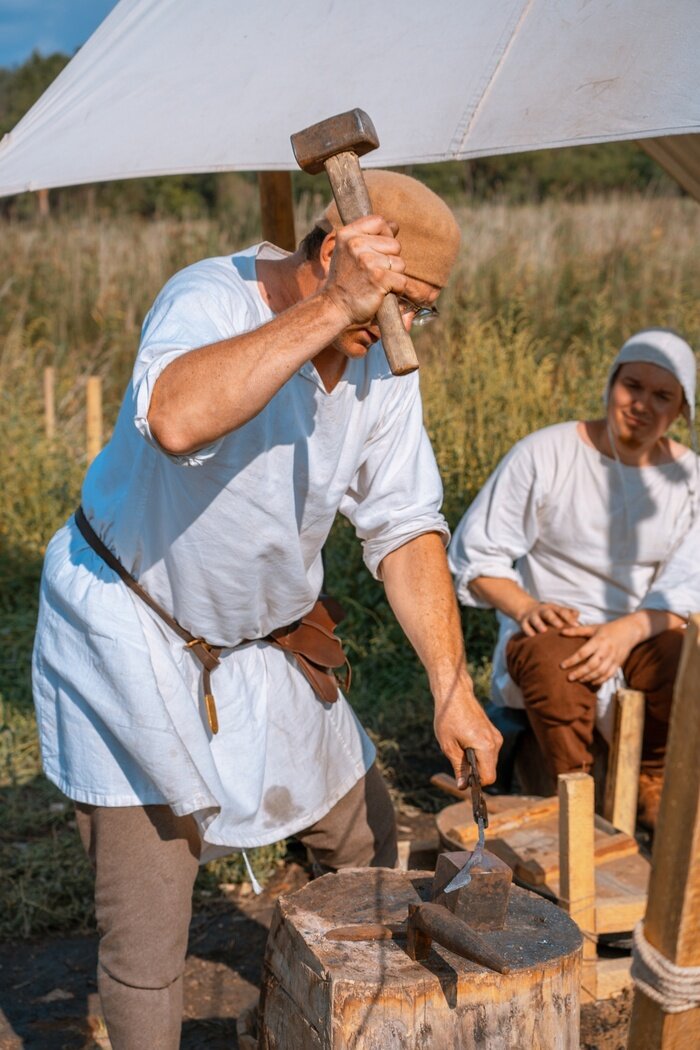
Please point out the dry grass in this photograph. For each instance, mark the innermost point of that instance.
(542, 297)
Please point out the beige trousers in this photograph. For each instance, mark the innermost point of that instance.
(146, 860)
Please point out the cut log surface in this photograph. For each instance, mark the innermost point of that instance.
(324, 993)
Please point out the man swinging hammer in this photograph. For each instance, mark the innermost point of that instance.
(260, 405)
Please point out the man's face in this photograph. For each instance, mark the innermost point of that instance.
(644, 401)
(356, 340)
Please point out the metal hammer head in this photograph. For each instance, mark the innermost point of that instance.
(347, 132)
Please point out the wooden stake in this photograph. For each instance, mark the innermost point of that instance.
(94, 417)
(577, 866)
(622, 782)
(277, 208)
(49, 401)
(43, 203)
(672, 921)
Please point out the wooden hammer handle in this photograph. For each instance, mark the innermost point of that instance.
(352, 198)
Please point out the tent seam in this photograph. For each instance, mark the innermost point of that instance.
(501, 50)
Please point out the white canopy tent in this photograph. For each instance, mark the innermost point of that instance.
(169, 86)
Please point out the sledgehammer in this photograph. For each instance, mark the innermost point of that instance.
(335, 144)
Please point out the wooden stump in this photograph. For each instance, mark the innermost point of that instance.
(320, 993)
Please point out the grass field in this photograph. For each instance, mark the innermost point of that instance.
(543, 296)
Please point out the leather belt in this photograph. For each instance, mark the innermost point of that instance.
(310, 641)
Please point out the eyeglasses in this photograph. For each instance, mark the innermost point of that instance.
(421, 314)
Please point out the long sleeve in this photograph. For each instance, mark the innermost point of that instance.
(396, 493)
(499, 527)
(677, 586)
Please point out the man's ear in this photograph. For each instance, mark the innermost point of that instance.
(326, 251)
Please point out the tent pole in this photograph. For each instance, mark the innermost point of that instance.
(277, 209)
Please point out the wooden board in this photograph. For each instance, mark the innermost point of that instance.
(577, 875)
(528, 840)
(525, 834)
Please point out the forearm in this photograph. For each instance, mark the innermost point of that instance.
(505, 595)
(419, 588)
(647, 623)
(215, 389)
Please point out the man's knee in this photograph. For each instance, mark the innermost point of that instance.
(143, 950)
(538, 659)
(653, 665)
(359, 831)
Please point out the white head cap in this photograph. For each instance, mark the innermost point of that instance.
(662, 347)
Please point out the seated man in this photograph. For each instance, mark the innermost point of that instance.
(578, 540)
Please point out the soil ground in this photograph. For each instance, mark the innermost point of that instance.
(49, 1001)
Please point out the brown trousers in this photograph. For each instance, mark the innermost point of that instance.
(146, 860)
(562, 713)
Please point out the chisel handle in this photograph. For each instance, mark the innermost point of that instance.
(351, 196)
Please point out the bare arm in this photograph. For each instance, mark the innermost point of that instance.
(215, 389)
(419, 589)
(533, 615)
(212, 390)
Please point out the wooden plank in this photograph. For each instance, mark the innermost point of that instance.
(621, 893)
(577, 864)
(277, 208)
(532, 847)
(448, 784)
(672, 919)
(93, 417)
(622, 782)
(50, 401)
(612, 977)
(461, 812)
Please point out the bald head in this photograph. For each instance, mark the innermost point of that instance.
(428, 230)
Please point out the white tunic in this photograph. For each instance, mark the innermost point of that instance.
(229, 541)
(574, 527)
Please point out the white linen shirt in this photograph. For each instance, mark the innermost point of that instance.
(572, 526)
(229, 541)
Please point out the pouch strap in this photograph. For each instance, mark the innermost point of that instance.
(207, 654)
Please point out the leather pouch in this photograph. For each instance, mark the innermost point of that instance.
(315, 647)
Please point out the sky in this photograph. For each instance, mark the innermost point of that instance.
(47, 26)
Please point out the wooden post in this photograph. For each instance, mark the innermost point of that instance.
(672, 921)
(577, 866)
(277, 208)
(49, 401)
(94, 417)
(622, 782)
(43, 203)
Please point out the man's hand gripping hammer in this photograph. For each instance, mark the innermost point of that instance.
(335, 144)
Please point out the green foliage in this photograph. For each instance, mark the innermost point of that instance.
(570, 173)
(543, 296)
(21, 87)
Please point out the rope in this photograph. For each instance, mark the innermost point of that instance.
(674, 988)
